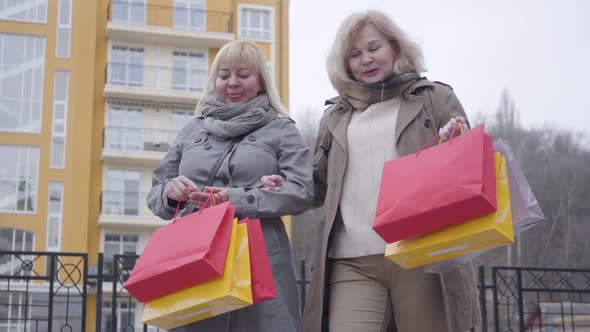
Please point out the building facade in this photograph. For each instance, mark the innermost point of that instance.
(92, 93)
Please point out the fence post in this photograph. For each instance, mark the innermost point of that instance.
(302, 283)
(52, 278)
(520, 305)
(114, 297)
(482, 298)
(495, 290)
(99, 272)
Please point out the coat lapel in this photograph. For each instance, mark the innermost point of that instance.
(338, 125)
(409, 108)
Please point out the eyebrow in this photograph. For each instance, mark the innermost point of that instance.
(228, 69)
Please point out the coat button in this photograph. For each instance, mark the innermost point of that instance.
(252, 138)
(207, 146)
(225, 181)
(251, 199)
(428, 123)
(198, 140)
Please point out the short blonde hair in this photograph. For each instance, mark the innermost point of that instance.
(248, 51)
(408, 58)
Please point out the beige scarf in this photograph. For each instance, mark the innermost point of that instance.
(362, 95)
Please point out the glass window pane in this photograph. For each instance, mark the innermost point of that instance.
(64, 12)
(63, 42)
(58, 152)
(180, 17)
(20, 82)
(18, 178)
(255, 19)
(137, 12)
(120, 11)
(244, 18)
(61, 85)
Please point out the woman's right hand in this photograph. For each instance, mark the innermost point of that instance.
(272, 182)
(180, 188)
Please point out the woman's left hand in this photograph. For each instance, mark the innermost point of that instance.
(199, 198)
(446, 131)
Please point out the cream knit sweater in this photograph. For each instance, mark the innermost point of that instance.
(370, 142)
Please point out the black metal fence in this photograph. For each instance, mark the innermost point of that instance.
(534, 299)
(46, 291)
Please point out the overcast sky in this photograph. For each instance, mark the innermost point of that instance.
(537, 49)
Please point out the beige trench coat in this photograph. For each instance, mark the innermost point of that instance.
(425, 107)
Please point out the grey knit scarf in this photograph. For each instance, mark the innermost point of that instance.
(227, 121)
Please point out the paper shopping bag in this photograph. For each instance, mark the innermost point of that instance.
(444, 185)
(492, 230)
(229, 292)
(263, 285)
(189, 251)
(526, 211)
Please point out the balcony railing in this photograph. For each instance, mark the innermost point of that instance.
(172, 79)
(124, 203)
(182, 18)
(137, 139)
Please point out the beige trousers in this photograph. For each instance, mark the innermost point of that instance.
(366, 293)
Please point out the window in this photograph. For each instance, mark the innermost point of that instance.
(60, 115)
(256, 23)
(124, 129)
(54, 215)
(19, 167)
(129, 11)
(34, 11)
(125, 315)
(15, 310)
(127, 66)
(119, 244)
(21, 82)
(188, 73)
(12, 239)
(179, 121)
(122, 192)
(64, 29)
(190, 14)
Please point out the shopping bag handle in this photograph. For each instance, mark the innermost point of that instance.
(440, 140)
(211, 199)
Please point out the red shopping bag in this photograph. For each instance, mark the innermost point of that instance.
(444, 185)
(182, 254)
(263, 285)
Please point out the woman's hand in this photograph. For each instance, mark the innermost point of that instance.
(272, 182)
(202, 198)
(445, 132)
(180, 188)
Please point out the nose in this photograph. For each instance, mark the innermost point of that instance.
(366, 59)
(233, 81)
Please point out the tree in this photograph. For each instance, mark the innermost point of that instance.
(554, 163)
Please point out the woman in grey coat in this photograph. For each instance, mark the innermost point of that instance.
(244, 129)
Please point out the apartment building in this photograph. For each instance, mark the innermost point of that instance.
(92, 94)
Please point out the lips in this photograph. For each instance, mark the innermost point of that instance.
(371, 73)
(234, 96)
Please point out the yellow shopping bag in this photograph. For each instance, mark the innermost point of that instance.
(229, 292)
(489, 231)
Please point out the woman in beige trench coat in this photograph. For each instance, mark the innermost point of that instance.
(384, 110)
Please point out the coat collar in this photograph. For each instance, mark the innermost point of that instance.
(412, 102)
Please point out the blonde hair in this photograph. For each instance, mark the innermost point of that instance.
(248, 51)
(408, 56)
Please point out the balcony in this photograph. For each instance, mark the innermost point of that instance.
(154, 83)
(135, 146)
(122, 209)
(135, 21)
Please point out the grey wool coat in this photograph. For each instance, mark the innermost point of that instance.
(425, 107)
(276, 148)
